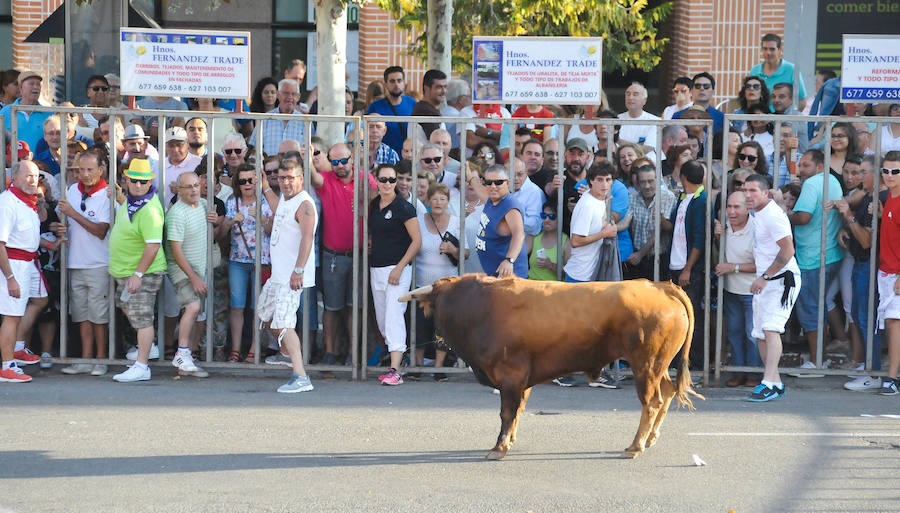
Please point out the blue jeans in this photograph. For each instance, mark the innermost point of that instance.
(860, 310)
(807, 306)
(240, 280)
(739, 328)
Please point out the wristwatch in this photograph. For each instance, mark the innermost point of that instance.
(298, 270)
(510, 260)
(139, 274)
(766, 276)
(736, 268)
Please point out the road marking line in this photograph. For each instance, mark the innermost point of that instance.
(795, 434)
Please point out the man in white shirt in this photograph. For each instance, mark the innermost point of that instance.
(178, 160)
(530, 197)
(776, 286)
(681, 90)
(642, 135)
(589, 226)
(87, 227)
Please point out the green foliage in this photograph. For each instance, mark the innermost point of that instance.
(628, 27)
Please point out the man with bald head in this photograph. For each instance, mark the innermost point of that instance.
(186, 254)
(642, 135)
(530, 197)
(335, 189)
(379, 152)
(23, 292)
(739, 271)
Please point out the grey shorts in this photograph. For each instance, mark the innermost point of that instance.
(139, 307)
(89, 295)
(337, 281)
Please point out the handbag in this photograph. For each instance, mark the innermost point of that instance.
(447, 237)
(609, 267)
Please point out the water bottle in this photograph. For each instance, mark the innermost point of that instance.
(125, 294)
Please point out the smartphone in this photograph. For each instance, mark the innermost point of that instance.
(541, 253)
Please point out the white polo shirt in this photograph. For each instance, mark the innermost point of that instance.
(19, 224)
(173, 171)
(86, 251)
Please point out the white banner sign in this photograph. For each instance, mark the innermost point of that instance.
(870, 68)
(537, 70)
(191, 63)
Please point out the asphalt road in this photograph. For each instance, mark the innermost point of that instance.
(230, 443)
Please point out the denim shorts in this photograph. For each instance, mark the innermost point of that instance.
(240, 280)
(808, 301)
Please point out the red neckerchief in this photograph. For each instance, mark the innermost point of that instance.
(101, 184)
(486, 110)
(28, 199)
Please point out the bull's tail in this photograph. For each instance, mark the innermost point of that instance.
(683, 386)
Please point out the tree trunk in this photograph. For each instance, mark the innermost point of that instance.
(440, 15)
(331, 62)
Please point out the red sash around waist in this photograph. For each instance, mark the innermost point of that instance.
(27, 256)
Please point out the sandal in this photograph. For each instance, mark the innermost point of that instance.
(249, 358)
(234, 357)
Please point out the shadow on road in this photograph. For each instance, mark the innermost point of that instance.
(39, 464)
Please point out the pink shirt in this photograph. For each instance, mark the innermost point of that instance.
(337, 211)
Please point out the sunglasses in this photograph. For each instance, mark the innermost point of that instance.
(244, 181)
(236, 151)
(137, 180)
(99, 88)
(703, 86)
(756, 86)
(498, 182)
(890, 171)
(84, 197)
(748, 158)
(340, 161)
(387, 179)
(271, 171)
(737, 183)
(191, 186)
(429, 160)
(290, 155)
(317, 153)
(545, 215)
(487, 155)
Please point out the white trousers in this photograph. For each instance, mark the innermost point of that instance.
(388, 310)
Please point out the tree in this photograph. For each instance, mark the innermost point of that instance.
(331, 61)
(440, 13)
(629, 28)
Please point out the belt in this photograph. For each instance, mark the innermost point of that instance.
(338, 253)
(27, 256)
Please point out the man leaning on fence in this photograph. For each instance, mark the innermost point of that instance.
(186, 263)
(86, 211)
(136, 262)
(293, 267)
(23, 291)
(889, 269)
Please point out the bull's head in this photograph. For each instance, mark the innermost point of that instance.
(426, 295)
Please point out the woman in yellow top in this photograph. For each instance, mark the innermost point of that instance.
(543, 256)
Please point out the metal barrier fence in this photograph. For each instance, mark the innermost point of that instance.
(162, 115)
(826, 122)
(359, 333)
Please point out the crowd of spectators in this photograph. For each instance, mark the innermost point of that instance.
(422, 181)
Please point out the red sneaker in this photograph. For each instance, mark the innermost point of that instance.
(14, 375)
(26, 357)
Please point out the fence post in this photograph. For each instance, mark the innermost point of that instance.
(210, 208)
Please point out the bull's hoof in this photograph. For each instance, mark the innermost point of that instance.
(651, 440)
(629, 454)
(495, 455)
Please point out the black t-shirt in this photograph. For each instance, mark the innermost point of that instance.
(424, 108)
(220, 207)
(390, 240)
(864, 218)
(542, 177)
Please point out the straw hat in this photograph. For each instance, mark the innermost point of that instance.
(140, 169)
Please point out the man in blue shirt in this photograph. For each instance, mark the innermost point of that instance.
(701, 94)
(394, 104)
(775, 70)
(30, 124)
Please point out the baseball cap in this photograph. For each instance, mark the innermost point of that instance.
(22, 149)
(112, 79)
(25, 75)
(176, 133)
(579, 143)
(134, 132)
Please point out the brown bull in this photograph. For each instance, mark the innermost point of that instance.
(517, 333)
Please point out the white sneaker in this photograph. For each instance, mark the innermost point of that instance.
(78, 368)
(99, 370)
(187, 367)
(863, 383)
(133, 373)
(133, 352)
(807, 365)
(45, 363)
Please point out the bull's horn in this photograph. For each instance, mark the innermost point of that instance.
(421, 291)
